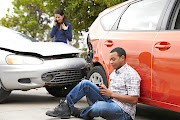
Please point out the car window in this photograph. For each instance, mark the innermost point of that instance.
(109, 19)
(143, 15)
(177, 24)
(11, 36)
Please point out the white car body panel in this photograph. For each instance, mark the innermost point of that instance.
(11, 73)
(12, 42)
(42, 48)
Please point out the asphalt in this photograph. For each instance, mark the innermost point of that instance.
(33, 104)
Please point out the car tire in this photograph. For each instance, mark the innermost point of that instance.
(60, 91)
(97, 75)
(3, 93)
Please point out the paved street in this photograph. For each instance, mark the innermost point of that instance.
(32, 105)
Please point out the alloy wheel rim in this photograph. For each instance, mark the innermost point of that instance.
(96, 78)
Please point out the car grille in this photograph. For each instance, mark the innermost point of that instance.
(62, 76)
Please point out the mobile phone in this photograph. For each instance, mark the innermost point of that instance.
(98, 85)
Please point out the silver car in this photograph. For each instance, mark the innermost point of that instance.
(26, 64)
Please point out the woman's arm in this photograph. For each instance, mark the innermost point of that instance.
(52, 33)
(68, 32)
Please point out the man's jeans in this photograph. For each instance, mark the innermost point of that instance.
(102, 105)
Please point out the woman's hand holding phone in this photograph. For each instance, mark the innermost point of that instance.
(55, 21)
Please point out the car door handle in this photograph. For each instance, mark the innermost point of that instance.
(108, 43)
(163, 46)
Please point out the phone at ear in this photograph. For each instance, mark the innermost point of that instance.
(56, 21)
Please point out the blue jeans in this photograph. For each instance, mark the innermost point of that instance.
(102, 105)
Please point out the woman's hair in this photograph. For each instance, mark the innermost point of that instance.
(60, 12)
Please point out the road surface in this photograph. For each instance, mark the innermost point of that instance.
(33, 104)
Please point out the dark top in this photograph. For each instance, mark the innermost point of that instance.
(62, 35)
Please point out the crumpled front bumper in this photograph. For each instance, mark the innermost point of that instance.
(13, 77)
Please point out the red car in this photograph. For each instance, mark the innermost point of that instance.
(149, 31)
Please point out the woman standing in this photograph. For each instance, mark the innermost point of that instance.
(62, 30)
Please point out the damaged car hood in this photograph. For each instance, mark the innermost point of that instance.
(41, 48)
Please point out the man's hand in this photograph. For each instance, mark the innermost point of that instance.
(105, 91)
(123, 98)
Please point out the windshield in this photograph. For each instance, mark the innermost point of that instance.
(10, 36)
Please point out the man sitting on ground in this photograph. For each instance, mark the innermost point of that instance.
(118, 102)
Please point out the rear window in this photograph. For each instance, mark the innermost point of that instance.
(177, 23)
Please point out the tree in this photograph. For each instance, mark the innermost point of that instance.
(81, 13)
(33, 16)
(29, 17)
(110, 3)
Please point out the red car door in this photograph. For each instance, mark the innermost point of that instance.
(166, 65)
(166, 68)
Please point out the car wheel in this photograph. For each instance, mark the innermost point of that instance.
(60, 91)
(97, 76)
(3, 93)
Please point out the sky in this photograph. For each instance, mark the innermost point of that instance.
(4, 5)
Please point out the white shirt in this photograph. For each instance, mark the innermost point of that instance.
(125, 81)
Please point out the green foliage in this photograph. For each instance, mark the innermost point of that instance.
(29, 17)
(110, 3)
(81, 13)
(84, 54)
(33, 16)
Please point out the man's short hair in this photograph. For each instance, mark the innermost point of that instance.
(120, 51)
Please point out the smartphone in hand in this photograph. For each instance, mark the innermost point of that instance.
(98, 85)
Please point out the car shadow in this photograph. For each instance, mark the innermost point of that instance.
(155, 113)
(29, 98)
